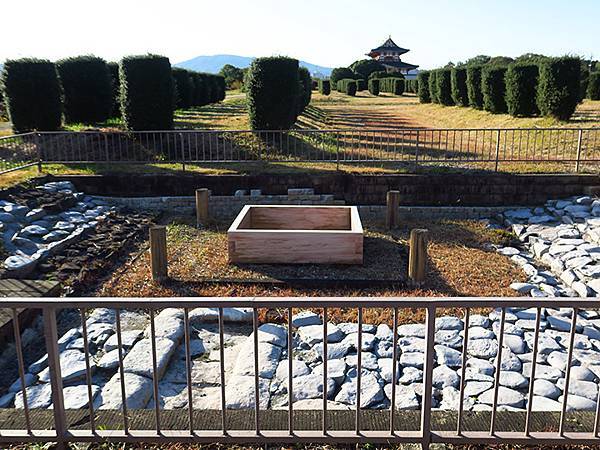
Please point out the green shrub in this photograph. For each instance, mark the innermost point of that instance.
(593, 90)
(221, 87)
(340, 73)
(272, 93)
(146, 92)
(433, 88)
(185, 87)
(306, 81)
(32, 95)
(458, 81)
(214, 88)
(347, 86)
(521, 87)
(113, 67)
(558, 87)
(444, 87)
(474, 87)
(325, 87)
(392, 85)
(199, 95)
(361, 85)
(374, 86)
(423, 87)
(493, 89)
(365, 67)
(87, 89)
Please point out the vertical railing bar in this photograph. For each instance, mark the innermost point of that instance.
(290, 372)
(256, 380)
(563, 412)
(88, 372)
(21, 363)
(497, 374)
(154, 371)
(359, 368)
(394, 372)
(222, 369)
(428, 377)
(188, 367)
(463, 370)
(122, 371)
(538, 318)
(325, 373)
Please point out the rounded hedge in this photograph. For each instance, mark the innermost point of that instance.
(361, 85)
(374, 86)
(272, 93)
(199, 94)
(458, 82)
(185, 87)
(339, 73)
(32, 94)
(423, 87)
(433, 88)
(474, 93)
(444, 87)
(521, 87)
(113, 67)
(558, 88)
(146, 92)
(365, 67)
(87, 89)
(306, 81)
(393, 85)
(493, 89)
(324, 87)
(347, 86)
(593, 90)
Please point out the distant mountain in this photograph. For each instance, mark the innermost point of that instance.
(212, 64)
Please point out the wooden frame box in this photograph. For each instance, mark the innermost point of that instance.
(290, 234)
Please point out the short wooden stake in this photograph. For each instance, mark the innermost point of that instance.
(417, 257)
(392, 218)
(158, 253)
(202, 206)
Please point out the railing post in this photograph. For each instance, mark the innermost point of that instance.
(202, 199)
(392, 216)
(38, 149)
(417, 152)
(337, 142)
(51, 338)
(428, 378)
(417, 257)
(497, 149)
(579, 138)
(182, 152)
(158, 253)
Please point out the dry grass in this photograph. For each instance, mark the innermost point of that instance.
(452, 243)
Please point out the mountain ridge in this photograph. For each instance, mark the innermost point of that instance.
(214, 63)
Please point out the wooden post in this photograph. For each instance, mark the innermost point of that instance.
(158, 253)
(417, 257)
(392, 218)
(201, 206)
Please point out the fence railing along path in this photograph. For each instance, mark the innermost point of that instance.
(570, 148)
(191, 425)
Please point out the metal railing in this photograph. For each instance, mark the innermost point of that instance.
(65, 428)
(493, 149)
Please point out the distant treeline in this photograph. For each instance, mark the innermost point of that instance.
(142, 90)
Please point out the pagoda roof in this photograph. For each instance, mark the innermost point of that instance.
(398, 64)
(389, 45)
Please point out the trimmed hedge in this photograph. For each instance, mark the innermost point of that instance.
(423, 87)
(221, 87)
(521, 87)
(146, 92)
(458, 82)
(433, 90)
(185, 88)
(444, 87)
(558, 88)
(340, 73)
(87, 89)
(324, 87)
(199, 95)
(361, 85)
(474, 93)
(306, 81)
(347, 86)
(272, 93)
(113, 67)
(593, 90)
(493, 89)
(374, 86)
(32, 94)
(392, 85)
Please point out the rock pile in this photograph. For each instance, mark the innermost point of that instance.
(307, 374)
(560, 247)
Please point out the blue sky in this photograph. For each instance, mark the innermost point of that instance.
(326, 32)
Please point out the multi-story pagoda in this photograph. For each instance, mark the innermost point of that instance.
(388, 54)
